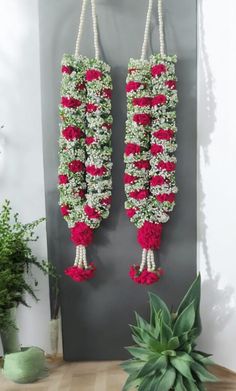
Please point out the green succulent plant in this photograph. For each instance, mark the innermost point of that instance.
(165, 356)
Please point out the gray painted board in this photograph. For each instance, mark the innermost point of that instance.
(96, 314)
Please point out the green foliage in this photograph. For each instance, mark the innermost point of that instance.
(16, 260)
(164, 357)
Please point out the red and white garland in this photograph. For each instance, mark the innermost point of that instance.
(85, 153)
(149, 161)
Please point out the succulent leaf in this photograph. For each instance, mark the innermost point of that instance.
(193, 294)
(185, 320)
(156, 305)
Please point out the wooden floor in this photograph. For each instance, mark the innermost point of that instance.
(97, 376)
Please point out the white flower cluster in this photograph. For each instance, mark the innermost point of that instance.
(85, 141)
(150, 139)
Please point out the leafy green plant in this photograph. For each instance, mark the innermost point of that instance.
(16, 260)
(165, 356)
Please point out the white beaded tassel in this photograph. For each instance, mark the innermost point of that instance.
(151, 266)
(147, 30)
(143, 263)
(95, 29)
(81, 25)
(161, 27)
(84, 257)
(80, 257)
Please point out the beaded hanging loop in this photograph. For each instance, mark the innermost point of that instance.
(150, 143)
(85, 146)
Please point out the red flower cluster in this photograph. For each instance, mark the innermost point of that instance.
(76, 166)
(89, 140)
(70, 102)
(63, 179)
(155, 149)
(80, 87)
(166, 197)
(139, 194)
(130, 212)
(132, 149)
(145, 277)
(157, 180)
(164, 134)
(142, 164)
(142, 119)
(158, 69)
(82, 234)
(107, 126)
(171, 84)
(129, 179)
(142, 102)
(80, 193)
(168, 166)
(93, 74)
(80, 274)
(93, 170)
(72, 132)
(66, 69)
(92, 213)
(91, 107)
(106, 201)
(65, 210)
(149, 235)
(159, 100)
(133, 86)
(107, 92)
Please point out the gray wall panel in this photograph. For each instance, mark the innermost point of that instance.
(95, 315)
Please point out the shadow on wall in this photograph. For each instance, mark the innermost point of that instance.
(216, 304)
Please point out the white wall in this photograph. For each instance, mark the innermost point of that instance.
(216, 177)
(21, 159)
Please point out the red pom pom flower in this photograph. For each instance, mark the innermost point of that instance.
(80, 274)
(81, 234)
(145, 277)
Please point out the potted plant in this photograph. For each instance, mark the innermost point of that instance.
(165, 356)
(16, 260)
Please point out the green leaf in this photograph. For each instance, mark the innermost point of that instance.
(185, 321)
(131, 382)
(182, 366)
(169, 353)
(190, 386)
(156, 346)
(141, 353)
(173, 343)
(184, 356)
(201, 387)
(153, 365)
(145, 385)
(202, 373)
(132, 365)
(193, 294)
(202, 359)
(156, 305)
(165, 333)
(179, 384)
(142, 323)
(167, 380)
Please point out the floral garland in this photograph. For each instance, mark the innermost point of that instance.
(84, 153)
(149, 161)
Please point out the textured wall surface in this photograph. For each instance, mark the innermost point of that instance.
(216, 186)
(21, 154)
(95, 315)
